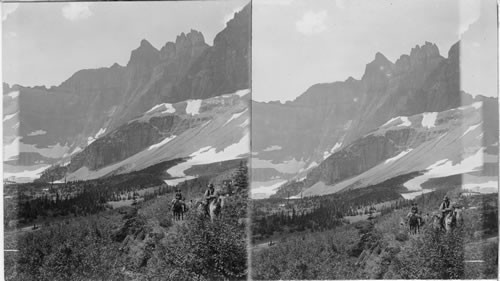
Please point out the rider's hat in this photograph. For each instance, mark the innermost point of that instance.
(210, 185)
(446, 198)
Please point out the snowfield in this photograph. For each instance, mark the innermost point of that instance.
(26, 175)
(207, 155)
(405, 122)
(288, 167)
(168, 108)
(235, 116)
(160, 144)
(429, 119)
(445, 167)
(10, 116)
(13, 94)
(327, 154)
(471, 128)
(193, 107)
(401, 154)
(37, 133)
(100, 133)
(12, 149)
(273, 148)
(261, 190)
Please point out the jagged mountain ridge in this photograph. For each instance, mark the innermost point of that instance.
(62, 120)
(328, 117)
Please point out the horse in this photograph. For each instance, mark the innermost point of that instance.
(178, 209)
(436, 221)
(215, 206)
(453, 219)
(415, 222)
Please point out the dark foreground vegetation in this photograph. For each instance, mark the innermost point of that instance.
(137, 243)
(381, 247)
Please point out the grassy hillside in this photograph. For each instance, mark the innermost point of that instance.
(382, 249)
(136, 243)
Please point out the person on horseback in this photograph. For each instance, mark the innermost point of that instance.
(178, 196)
(209, 197)
(445, 209)
(414, 212)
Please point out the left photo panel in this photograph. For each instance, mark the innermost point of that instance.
(126, 137)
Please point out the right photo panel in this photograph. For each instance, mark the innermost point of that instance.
(374, 140)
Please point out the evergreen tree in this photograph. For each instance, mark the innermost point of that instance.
(241, 177)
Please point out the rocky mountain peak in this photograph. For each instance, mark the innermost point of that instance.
(184, 43)
(379, 66)
(454, 52)
(193, 38)
(145, 53)
(425, 51)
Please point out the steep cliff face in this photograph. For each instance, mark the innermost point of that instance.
(198, 131)
(436, 144)
(225, 67)
(92, 103)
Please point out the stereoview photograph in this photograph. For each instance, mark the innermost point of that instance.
(126, 138)
(374, 140)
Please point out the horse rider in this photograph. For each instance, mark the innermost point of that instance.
(178, 197)
(209, 196)
(445, 209)
(414, 212)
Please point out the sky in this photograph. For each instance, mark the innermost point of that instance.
(45, 43)
(298, 43)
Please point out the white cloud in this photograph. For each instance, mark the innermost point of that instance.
(312, 23)
(7, 9)
(76, 11)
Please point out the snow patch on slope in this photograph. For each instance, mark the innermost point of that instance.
(10, 116)
(470, 129)
(13, 94)
(405, 122)
(168, 108)
(235, 116)
(261, 190)
(193, 107)
(16, 146)
(160, 144)
(37, 133)
(100, 133)
(76, 150)
(327, 154)
(273, 148)
(25, 174)
(429, 119)
(403, 153)
(207, 155)
(445, 167)
(288, 167)
(312, 165)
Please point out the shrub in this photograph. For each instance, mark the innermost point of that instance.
(434, 255)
